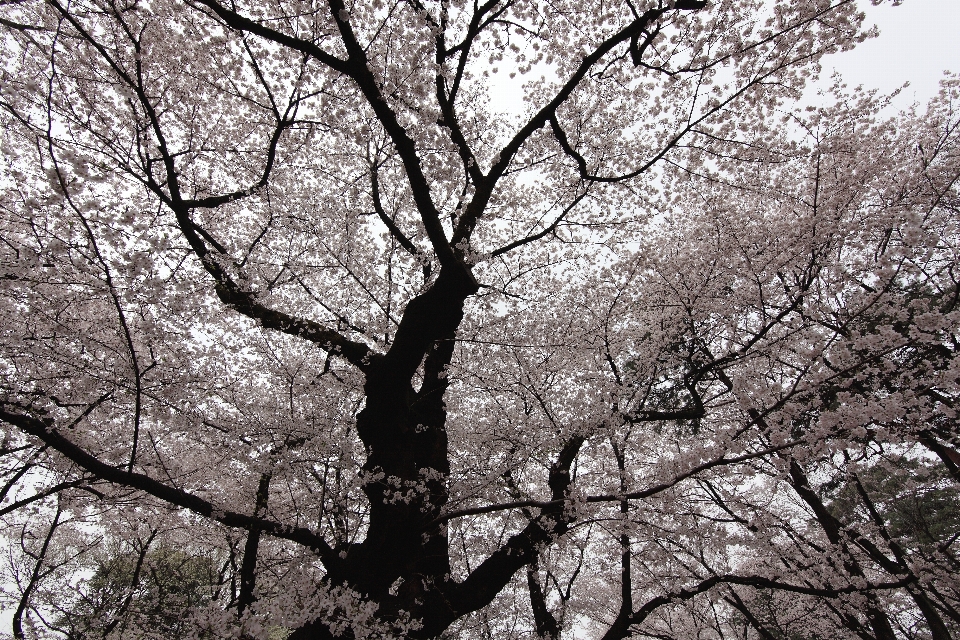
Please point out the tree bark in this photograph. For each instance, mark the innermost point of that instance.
(403, 560)
(248, 566)
(877, 618)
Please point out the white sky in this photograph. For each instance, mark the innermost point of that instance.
(918, 41)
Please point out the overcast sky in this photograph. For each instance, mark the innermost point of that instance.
(918, 41)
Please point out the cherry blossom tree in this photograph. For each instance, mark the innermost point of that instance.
(287, 297)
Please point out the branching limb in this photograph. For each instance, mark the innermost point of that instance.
(546, 624)
(486, 581)
(357, 68)
(549, 230)
(633, 495)
(44, 429)
(760, 582)
(241, 23)
(359, 71)
(395, 231)
(46, 493)
(246, 302)
(469, 220)
(447, 96)
(28, 589)
(217, 262)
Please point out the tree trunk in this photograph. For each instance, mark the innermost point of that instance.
(403, 558)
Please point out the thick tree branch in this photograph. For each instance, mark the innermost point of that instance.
(837, 536)
(947, 455)
(211, 202)
(487, 580)
(359, 70)
(246, 302)
(621, 625)
(544, 621)
(248, 566)
(241, 23)
(44, 430)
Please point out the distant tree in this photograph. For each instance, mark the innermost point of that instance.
(150, 595)
(662, 354)
(914, 499)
